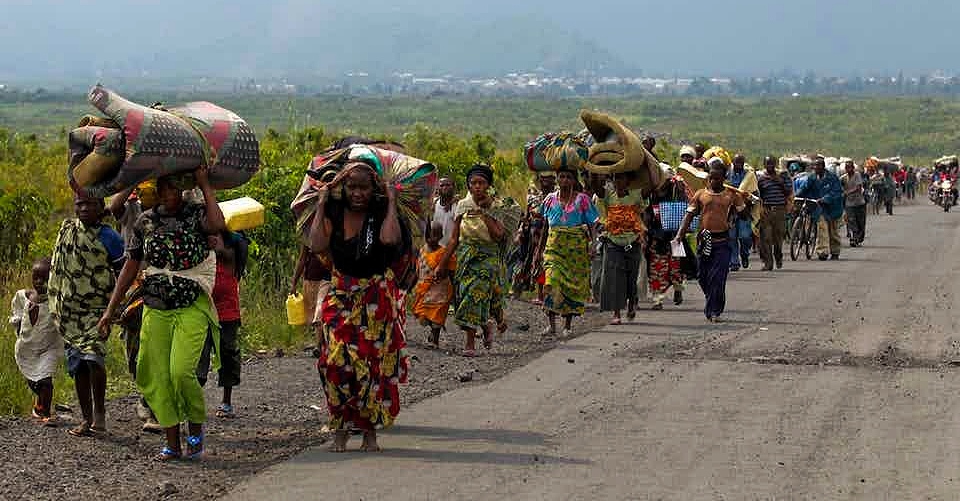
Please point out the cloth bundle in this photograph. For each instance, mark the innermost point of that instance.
(136, 143)
(947, 161)
(719, 152)
(557, 151)
(414, 179)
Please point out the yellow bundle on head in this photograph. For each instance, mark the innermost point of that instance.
(719, 152)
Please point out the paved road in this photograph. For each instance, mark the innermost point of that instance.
(829, 381)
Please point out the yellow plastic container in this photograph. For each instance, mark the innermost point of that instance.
(242, 214)
(296, 311)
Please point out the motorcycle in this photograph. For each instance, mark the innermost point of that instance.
(946, 195)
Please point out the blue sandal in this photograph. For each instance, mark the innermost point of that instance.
(195, 443)
(167, 454)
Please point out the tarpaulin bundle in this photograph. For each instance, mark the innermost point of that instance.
(135, 143)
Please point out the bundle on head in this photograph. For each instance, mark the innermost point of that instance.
(136, 143)
(719, 152)
(557, 151)
(617, 149)
(947, 161)
(414, 180)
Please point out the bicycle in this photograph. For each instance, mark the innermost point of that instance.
(804, 234)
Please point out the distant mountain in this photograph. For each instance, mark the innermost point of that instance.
(82, 40)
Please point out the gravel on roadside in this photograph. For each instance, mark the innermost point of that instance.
(280, 408)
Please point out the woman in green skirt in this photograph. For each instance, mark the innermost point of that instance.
(178, 314)
(570, 217)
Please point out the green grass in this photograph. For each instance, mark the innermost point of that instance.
(918, 128)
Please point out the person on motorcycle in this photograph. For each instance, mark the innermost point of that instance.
(943, 174)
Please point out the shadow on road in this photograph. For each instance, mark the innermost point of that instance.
(464, 434)
(447, 456)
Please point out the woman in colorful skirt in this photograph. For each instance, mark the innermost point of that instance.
(662, 217)
(622, 238)
(477, 241)
(361, 362)
(570, 217)
(178, 313)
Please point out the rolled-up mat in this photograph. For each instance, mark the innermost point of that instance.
(617, 149)
(159, 143)
(95, 153)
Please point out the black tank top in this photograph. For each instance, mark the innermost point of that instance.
(362, 256)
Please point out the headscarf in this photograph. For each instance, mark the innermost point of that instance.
(688, 150)
(481, 170)
(146, 192)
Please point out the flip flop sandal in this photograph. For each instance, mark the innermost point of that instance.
(616, 321)
(226, 411)
(470, 353)
(83, 430)
(166, 454)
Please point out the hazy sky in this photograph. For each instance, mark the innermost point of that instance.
(241, 37)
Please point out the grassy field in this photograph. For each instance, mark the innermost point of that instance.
(916, 128)
(451, 132)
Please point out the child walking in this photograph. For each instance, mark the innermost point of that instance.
(231, 250)
(86, 258)
(434, 291)
(39, 347)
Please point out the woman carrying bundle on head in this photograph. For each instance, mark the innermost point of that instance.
(170, 240)
(477, 242)
(361, 360)
(623, 235)
(570, 217)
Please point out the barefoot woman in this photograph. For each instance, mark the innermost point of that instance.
(361, 359)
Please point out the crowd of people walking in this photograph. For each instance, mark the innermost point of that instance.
(171, 276)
